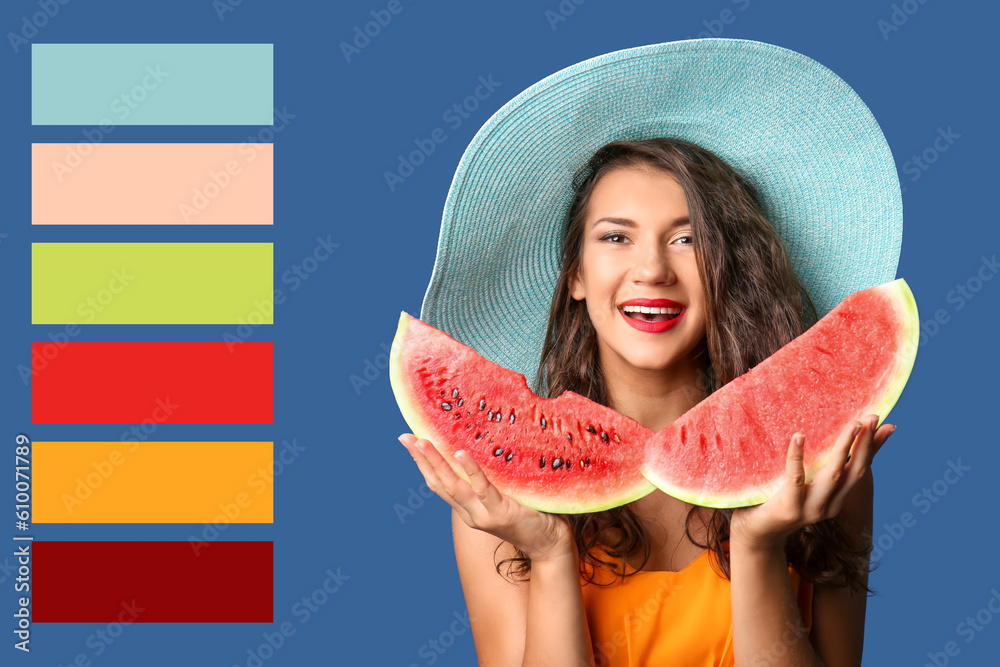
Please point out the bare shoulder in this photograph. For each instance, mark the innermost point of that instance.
(498, 608)
(838, 631)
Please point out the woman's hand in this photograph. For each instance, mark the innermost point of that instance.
(482, 506)
(798, 504)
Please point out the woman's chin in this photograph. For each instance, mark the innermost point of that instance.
(657, 364)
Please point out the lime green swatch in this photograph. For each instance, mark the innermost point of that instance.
(152, 283)
(152, 84)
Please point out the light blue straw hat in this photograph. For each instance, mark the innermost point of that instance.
(794, 129)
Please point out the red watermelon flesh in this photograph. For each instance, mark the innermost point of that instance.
(730, 449)
(566, 454)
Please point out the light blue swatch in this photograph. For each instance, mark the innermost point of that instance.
(152, 84)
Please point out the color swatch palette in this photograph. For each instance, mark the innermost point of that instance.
(98, 183)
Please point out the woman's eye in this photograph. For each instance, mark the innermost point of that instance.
(613, 237)
(689, 237)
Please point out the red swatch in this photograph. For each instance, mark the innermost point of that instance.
(152, 383)
(153, 582)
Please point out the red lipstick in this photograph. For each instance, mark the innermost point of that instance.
(652, 327)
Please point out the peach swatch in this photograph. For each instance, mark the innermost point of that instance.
(152, 184)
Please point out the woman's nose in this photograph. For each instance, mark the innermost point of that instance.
(653, 268)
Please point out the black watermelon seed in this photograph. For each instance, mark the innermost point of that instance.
(557, 464)
(604, 436)
(499, 416)
(478, 436)
(460, 401)
(511, 417)
(497, 452)
(509, 456)
(446, 406)
(442, 393)
(454, 393)
(570, 436)
(591, 429)
(586, 462)
(544, 423)
(489, 416)
(542, 465)
(482, 405)
(567, 464)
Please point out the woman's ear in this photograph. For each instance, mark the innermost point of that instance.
(576, 289)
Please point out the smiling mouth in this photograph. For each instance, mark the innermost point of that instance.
(651, 314)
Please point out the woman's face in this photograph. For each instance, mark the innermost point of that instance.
(638, 251)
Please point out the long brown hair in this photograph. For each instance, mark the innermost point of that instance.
(755, 304)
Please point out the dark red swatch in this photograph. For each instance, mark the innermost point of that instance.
(152, 383)
(153, 582)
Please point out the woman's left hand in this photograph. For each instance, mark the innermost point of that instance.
(798, 504)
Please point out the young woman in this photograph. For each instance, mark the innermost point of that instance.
(667, 225)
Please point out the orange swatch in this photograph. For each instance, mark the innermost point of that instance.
(152, 184)
(153, 482)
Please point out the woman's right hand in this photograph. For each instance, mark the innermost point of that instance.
(539, 535)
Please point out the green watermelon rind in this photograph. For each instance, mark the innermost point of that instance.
(425, 430)
(898, 293)
(397, 380)
(909, 342)
(752, 497)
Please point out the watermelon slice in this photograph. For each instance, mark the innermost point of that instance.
(730, 449)
(566, 454)
(571, 455)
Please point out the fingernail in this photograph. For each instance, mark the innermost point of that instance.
(799, 439)
(857, 429)
(874, 422)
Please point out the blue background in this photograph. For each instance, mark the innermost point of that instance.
(336, 504)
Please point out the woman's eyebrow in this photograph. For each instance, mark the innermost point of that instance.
(628, 222)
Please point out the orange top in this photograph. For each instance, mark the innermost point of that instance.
(681, 619)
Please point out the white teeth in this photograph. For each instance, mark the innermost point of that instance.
(647, 309)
